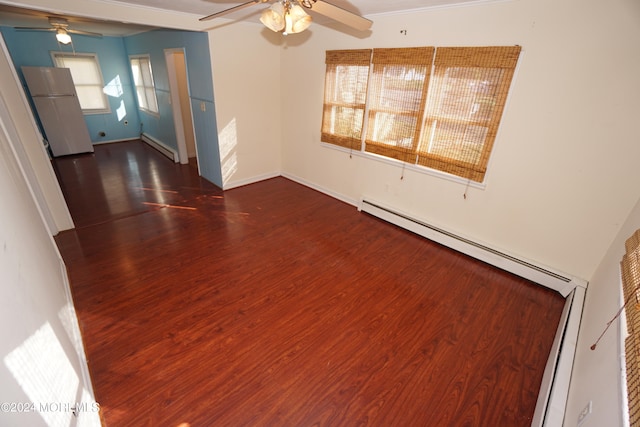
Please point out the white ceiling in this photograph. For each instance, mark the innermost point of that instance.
(362, 7)
(15, 16)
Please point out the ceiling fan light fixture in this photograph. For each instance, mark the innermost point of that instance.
(62, 36)
(273, 17)
(286, 17)
(296, 20)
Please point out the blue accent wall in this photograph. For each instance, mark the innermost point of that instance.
(196, 51)
(33, 48)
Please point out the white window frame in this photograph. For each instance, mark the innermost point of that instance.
(150, 103)
(58, 61)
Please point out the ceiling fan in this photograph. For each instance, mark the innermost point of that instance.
(61, 27)
(289, 16)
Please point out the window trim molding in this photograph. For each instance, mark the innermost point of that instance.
(92, 111)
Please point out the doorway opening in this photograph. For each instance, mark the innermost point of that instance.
(181, 105)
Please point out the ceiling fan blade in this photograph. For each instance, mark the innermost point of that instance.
(33, 29)
(341, 15)
(232, 9)
(84, 33)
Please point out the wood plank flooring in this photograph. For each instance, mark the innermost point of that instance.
(275, 305)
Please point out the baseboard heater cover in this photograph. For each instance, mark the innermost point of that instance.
(523, 268)
(160, 146)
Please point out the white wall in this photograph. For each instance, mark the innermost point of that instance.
(30, 149)
(246, 76)
(41, 354)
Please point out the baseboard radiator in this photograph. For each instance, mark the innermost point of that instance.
(552, 397)
(160, 146)
(523, 268)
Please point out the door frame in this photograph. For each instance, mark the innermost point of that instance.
(176, 107)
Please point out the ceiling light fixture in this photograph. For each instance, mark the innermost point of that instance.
(62, 36)
(286, 17)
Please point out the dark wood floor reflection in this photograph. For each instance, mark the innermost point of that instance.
(275, 305)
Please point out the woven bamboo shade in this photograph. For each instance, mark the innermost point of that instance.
(630, 267)
(466, 99)
(396, 103)
(446, 121)
(345, 95)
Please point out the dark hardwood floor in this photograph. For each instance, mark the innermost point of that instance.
(275, 305)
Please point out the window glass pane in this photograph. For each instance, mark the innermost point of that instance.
(87, 79)
(83, 70)
(151, 99)
(142, 99)
(145, 69)
(90, 97)
(143, 80)
(137, 74)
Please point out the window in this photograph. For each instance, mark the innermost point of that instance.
(87, 78)
(345, 94)
(143, 81)
(396, 101)
(630, 267)
(446, 121)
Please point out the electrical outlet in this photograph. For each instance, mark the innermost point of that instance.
(582, 416)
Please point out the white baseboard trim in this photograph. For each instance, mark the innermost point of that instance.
(160, 146)
(242, 182)
(113, 141)
(316, 187)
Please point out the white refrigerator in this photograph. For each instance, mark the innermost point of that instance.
(58, 109)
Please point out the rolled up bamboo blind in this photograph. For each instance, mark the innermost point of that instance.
(438, 108)
(466, 100)
(630, 267)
